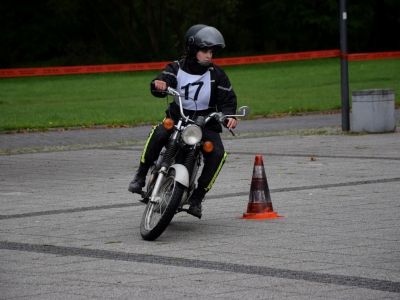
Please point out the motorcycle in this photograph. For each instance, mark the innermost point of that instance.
(173, 176)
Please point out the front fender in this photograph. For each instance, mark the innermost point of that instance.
(181, 174)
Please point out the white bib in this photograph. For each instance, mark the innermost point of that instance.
(194, 89)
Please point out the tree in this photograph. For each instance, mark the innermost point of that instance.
(82, 32)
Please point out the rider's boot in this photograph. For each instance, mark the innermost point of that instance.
(139, 181)
(195, 202)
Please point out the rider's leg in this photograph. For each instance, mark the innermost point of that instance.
(139, 181)
(158, 137)
(212, 166)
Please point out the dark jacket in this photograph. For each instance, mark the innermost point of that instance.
(223, 98)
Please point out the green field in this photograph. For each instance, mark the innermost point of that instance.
(124, 98)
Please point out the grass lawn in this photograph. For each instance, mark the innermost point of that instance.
(125, 99)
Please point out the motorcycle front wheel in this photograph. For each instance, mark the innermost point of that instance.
(157, 217)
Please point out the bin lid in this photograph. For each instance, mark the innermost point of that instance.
(373, 92)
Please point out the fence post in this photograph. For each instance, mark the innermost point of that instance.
(344, 67)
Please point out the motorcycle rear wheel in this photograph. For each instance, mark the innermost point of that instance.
(157, 217)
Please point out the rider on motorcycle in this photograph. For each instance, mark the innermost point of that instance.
(198, 79)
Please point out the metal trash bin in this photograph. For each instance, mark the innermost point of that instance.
(373, 111)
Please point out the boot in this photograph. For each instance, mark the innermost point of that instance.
(195, 202)
(139, 181)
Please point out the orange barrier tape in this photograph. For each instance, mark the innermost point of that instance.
(275, 57)
(81, 69)
(374, 55)
(21, 72)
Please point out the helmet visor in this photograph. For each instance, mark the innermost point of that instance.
(208, 37)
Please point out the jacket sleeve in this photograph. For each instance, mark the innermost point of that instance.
(226, 97)
(169, 75)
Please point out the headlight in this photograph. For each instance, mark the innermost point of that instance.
(192, 134)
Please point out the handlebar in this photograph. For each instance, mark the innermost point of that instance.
(175, 93)
(172, 92)
(219, 116)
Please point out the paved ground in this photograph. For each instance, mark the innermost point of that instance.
(70, 229)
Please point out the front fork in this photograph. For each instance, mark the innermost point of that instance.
(167, 158)
(160, 178)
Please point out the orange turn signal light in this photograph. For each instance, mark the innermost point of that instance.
(208, 146)
(168, 123)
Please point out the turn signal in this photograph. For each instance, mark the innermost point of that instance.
(208, 146)
(168, 123)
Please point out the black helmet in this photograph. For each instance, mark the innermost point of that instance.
(202, 36)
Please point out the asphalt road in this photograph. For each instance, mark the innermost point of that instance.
(76, 136)
(69, 229)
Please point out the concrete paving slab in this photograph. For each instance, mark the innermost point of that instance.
(70, 229)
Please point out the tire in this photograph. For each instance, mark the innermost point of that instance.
(157, 217)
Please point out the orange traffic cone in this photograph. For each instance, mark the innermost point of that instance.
(260, 204)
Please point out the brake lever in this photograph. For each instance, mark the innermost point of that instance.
(226, 123)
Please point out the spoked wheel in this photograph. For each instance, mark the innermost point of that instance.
(157, 217)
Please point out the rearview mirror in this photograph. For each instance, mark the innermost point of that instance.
(244, 111)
